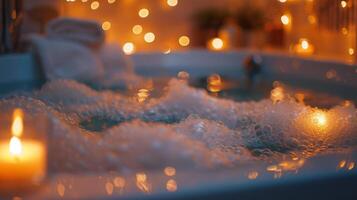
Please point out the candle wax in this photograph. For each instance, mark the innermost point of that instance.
(25, 169)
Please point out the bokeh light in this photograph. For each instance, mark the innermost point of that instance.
(106, 25)
(184, 40)
(143, 13)
(343, 4)
(129, 48)
(216, 44)
(149, 37)
(351, 51)
(285, 19)
(137, 29)
(304, 44)
(94, 5)
(172, 3)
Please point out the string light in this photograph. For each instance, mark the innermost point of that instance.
(216, 44)
(129, 48)
(184, 40)
(282, 1)
(172, 3)
(285, 19)
(94, 5)
(111, 1)
(143, 13)
(351, 51)
(303, 47)
(304, 44)
(343, 4)
(137, 29)
(106, 25)
(149, 37)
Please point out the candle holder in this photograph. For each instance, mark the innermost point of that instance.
(23, 152)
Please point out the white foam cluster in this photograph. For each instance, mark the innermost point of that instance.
(185, 127)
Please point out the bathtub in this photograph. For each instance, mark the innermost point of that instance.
(322, 177)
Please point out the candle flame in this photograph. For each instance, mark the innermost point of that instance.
(15, 146)
(17, 124)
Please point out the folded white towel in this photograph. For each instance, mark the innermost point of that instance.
(86, 32)
(67, 53)
(66, 60)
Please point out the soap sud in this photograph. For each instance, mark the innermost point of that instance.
(183, 128)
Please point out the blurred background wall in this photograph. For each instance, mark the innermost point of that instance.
(298, 19)
(321, 28)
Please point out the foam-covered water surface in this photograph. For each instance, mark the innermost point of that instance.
(185, 127)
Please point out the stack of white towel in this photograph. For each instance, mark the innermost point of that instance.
(76, 49)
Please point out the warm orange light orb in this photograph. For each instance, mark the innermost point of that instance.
(137, 29)
(304, 47)
(319, 118)
(111, 1)
(304, 44)
(129, 48)
(184, 40)
(285, 19)
(106, 25)
(343, 4)
(217, 44)
(172, 3)
(351, 51)
(149, 37)
(143, 13)
(94, 5)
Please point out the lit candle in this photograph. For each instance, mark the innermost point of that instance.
(22, 161)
